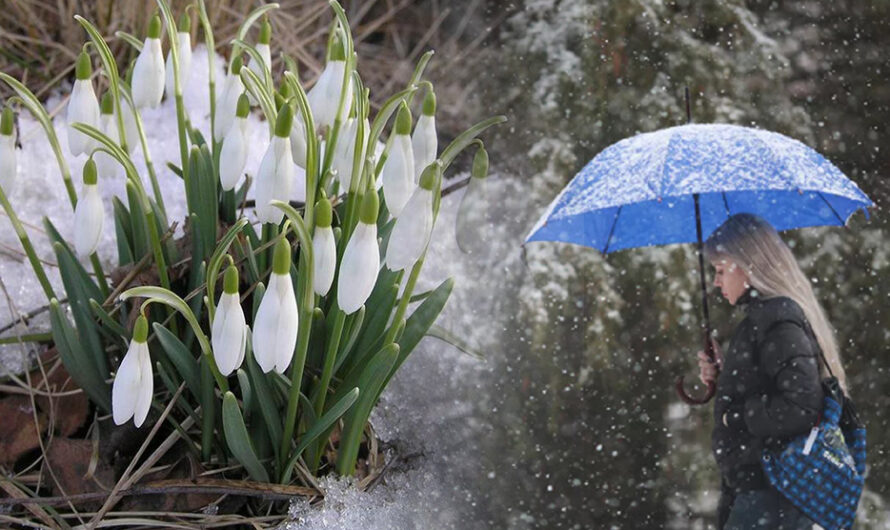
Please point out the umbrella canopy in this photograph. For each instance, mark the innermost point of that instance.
(640, 191)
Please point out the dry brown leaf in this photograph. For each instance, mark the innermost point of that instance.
(18, 433)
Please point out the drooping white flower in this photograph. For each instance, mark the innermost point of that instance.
(276, 174)
(8, 168)
(89, 214)
(229, 330)
(227, 102)
(361, 258)
(324, 97)
(424, 141)
(134, 381)
(344, 151)
(411, 233)
(184, 37)
(262, 48)
(398, 170)
(275, 327)
(298, 146)
(233, 156)
(324, 248)
(106, 165)
(148, 73)
(83, 107)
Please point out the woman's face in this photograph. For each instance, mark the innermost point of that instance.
(730, 278)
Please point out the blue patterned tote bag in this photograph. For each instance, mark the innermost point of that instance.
(823, 473)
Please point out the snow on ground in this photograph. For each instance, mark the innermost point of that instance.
(423, 416)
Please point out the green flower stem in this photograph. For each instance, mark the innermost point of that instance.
(100, 274)
(27, 337)
(306, 307)
(30, 101)
(173, 37)
(140, 129)
(330, 357)
(26, 244)
(405, 300)
(312, 174)
(211, 78)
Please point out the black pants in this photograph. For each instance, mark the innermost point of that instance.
(759, 509)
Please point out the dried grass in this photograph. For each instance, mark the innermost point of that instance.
(39, 39)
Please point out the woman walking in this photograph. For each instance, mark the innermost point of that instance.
(769, 381)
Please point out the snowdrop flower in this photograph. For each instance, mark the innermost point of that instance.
(297, 132)
(324, 97)
(134, 382)
(233, 156)
(89, 215)
(227, 103)
(262, 48)
(411, 233)
(344, 151)
(324, 248)
(275, 328)
(185, 57)
(229, 330)
(7, 151)
(148, 74)
(277, 171)
(398, 170)
(107, 165)
(83, 107)
(361, 259)
(424, 141)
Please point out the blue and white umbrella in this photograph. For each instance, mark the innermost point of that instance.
(640, 191)
(673, 185)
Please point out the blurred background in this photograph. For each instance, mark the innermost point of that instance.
(570, 420)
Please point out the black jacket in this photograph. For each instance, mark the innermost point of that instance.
(769, 387)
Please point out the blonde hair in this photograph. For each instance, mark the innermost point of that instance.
(752, 243)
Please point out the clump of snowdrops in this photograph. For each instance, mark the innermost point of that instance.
(261, 343)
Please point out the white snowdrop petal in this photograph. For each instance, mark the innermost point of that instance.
(324, 251)
(227, 338)
(264, 329)
(89, 219)
(233, 156)
(83, 107)
(106, 165)
(226, 106)
(288, 319)
(185, 60)
(274, 180)
(126, 386)
(424, 144)
(359, 268)
(412, 231)
(146, 385)
(8, 168)
(398, 174)
(148, 75)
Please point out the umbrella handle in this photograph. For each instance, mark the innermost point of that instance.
(712, 386)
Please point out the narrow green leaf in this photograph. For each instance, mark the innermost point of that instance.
(129, 39)
(466, 138)
(75, 359)
(219, 253)
(319, 427)
(238, 440)
(246, 392)
(265, 397)
(123, 232)
(108, 321)
(444, 335)
(184, 361)
(137, 219)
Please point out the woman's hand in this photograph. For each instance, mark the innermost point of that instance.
(709, 370)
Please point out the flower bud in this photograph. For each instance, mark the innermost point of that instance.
(148, 73)
(424, 141)
(89, 214)
(233, 155)
(361, 259)
(411, 233)
(277, 319)
(184, 37)
(324, 97)
(324, 248)
(227, 102)
(398, 170)
(133, 385)
(83, 107)
(229, 329)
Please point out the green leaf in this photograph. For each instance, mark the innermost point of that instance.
(175, 169)
(319, 427)
(238, 440)
(181, 357)
(109, 322)
(137, 219)
(246, 393)
(265, 397)
(444, 335)
(75, 359)
(466, 138)
(219, 253)
(123, 232)
(371, 382)
(129, 39)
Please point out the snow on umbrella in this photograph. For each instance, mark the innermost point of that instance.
(672, 185)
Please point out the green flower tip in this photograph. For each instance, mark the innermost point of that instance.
(237, 63)
(370, 207)
(323, 213)
(338, 51)
(154, 28)
(480, 164)
(430, 175)
(7, 122)
(107, 105)
(403, 120)
(280, 101)
(284, 122)
(89, 172)
(429, 104)
(265, 32)
(84, 66)
(230, 280)
(243, 106)
(140, 330)
(185, 23)
(281, 258)
(285, 90)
